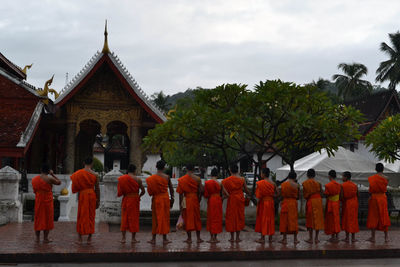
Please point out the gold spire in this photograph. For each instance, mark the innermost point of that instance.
(26, 68)
(105, 50)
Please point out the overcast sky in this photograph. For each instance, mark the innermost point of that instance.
(175, 45)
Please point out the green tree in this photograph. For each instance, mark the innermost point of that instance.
(389, 70)
(350, 83)
(161, 100)
(385, 139)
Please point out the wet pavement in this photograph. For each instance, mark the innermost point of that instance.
(17, 245)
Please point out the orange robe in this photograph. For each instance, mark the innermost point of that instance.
(378, 215)
(84, 182)
(157, 187)
(189, 187)
(288, 222)
(212, 191)
(332, 210)
(44, 209)
(130, 206)
(314, 211)
(265, 222)
(234, 216)
(350, 207)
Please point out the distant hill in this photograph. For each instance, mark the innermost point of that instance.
(172, 99)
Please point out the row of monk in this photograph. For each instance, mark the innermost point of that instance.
(234, 189)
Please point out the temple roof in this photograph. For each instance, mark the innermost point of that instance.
(375, 106)
(130, 84)
(11, 68)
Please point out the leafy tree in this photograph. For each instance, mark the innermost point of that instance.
(385, 139)
(161, 100)
(350, 83)
(389, 70)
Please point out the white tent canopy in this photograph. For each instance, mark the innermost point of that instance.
(343, 160)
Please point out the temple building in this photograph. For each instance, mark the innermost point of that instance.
(101, 106)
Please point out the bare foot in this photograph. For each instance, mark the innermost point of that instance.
(231, 240)
(354, 240)
(332, 240)
(123, 241)
(296, 241)
(79, 242)
(210, 241)
(387, 240)
(200, 241)
(372, 240)
(189, 241)
(134, 241)
(216, 241)
(316, 241)
(310, 241)
(261, 241)
(153, 242)
(47, 241)
(345, 240)
(37, 240)
(166, 241)
(238, 240)
(283, 241)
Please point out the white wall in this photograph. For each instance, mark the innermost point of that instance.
(150, 164)
(99, 156)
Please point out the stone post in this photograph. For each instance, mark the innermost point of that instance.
(10, 205)
(135, 151)
(70, 148)
(110, 204)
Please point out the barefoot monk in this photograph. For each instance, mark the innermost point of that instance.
(378, 215)
(189, 190)
(332, 210)
(234, 216)
(157, 187)
(265, 193)
(349, 207)
(86, 183)
(44, 208)
(128, 187)
(312, 191)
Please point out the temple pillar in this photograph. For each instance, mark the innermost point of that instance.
(135, 151)
(70, 148)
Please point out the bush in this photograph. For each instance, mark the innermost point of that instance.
(97, 165)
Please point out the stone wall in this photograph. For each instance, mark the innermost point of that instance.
(10, 204)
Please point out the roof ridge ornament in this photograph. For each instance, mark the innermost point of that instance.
(105, 50)
(26, 68)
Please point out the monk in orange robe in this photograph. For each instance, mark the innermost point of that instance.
(234, 215)
(128, 186)
(212, 191)
(314, 213)
(265, 193)
(86, 182)
(349, 197)
(378, 215)
(288, 223)
(332, 210)
(44, 210)
(157, 187)
(190, 190)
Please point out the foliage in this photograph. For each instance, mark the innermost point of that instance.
(350, 83)
(385, 139)
(161, 100)
(389, 70)
(97, 165)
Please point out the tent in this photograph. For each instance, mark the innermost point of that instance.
(343, 160)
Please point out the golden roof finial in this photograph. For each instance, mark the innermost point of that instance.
(105, 50)
(46, 90)
(26, 68)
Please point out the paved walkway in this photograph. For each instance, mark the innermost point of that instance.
(17, 245)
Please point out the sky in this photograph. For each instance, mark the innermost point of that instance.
(173, 45)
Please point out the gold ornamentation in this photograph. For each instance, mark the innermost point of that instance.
(105, 50)
(45, 92)
(26, 68)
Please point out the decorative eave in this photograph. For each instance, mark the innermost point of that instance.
(136, 90)
(13, 67)
(27, 135)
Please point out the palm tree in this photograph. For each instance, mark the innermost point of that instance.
(389, 70)
(161, 100)
(350, 84)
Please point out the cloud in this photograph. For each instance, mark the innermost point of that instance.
(175, 45)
